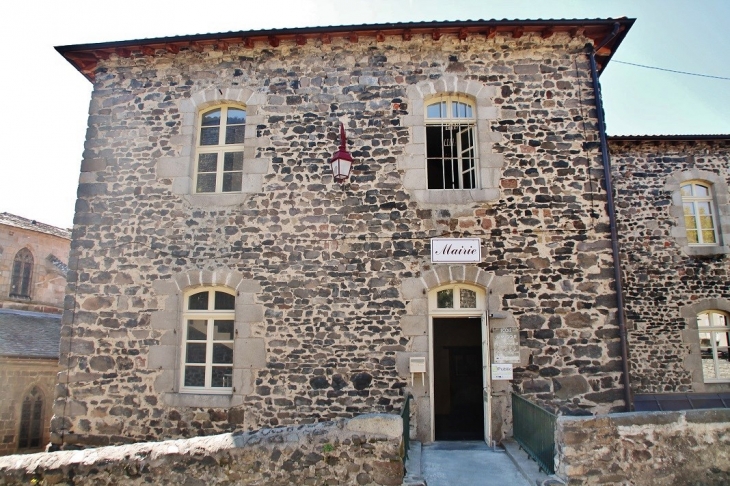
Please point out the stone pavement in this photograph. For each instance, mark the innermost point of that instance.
(469, 463)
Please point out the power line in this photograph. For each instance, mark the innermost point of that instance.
(671, 70)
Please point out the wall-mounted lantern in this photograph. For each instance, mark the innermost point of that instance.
(341, 161)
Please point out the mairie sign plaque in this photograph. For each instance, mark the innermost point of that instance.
(456, 250)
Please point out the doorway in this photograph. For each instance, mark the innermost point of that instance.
(458, 367)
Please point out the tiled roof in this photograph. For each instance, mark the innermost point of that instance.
(33, 225)
(26, 334)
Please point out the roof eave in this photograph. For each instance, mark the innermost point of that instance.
(85, 57)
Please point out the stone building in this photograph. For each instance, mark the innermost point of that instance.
(32, 288)
(674, 231)
(222, 279)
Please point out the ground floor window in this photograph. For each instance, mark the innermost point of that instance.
(714, 338)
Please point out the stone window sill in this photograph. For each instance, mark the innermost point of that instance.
(706, 250)
(202, 400)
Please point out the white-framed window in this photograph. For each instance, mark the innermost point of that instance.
(22, 275)
(219, 155)
(714, 338)
(457, 298)
(207, 357)
(699, 215)
(451, 147)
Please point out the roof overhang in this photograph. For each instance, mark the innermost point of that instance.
(85, 57)
(659, 139)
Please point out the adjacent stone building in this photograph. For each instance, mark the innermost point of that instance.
(32, 288)
(223, 280)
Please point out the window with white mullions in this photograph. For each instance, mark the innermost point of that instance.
(450, 144)
(219, 162)
(714, 345)
(699, 216)
(208, 346)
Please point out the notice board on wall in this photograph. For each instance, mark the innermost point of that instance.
(506, 345)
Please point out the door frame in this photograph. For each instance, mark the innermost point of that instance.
(480, 312)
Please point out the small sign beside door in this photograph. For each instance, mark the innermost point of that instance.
(506, 344)
(501, 371)
(456, 250)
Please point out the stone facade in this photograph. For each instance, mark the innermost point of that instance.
(666, 281)
(656, 448)
(363, 451)
(333, 282)
(49, 246)
(17, 378)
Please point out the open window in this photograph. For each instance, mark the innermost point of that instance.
(714, 345)
(451, 148)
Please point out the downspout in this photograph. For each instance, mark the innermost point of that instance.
(620, 315)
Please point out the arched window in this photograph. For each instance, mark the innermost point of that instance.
(219, 161)
(208, 340)
(451, 149)
(699, 214)
(714, 337)
(459, 298)
(31, 420)
(22, 274)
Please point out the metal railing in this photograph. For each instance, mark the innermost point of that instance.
(406, 416)
(534, 431)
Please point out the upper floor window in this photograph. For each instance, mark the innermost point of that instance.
(22, 274)
(31, 420)
(219, 161)
(699, 216)
(714, 338)
(451, 149)
(208, 340)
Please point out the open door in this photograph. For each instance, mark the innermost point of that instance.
(486, 380)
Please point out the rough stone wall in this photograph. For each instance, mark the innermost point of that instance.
(323, 263)
(649, 448)
(661, 280)
(366, 450)
(17, 379)
(48, 283)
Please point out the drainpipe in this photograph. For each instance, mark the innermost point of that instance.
(620, 315)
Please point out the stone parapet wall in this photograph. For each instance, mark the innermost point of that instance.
(363, 451)
(645, 448)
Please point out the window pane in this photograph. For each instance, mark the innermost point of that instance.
(197, 330)
(222, 376)
(719, 320)
(703, 208)
(700, 191)
(708, 236)
(435, 170)
(223, 330)
(445, 299)
(235, 134)
(436, 110)
(194, 376)
(461, 110)
(686, 191)
(213, 117)
(703, 320)
(198, 301)
(434, 142)
(692, 236)
(468, 299)
(233, 161)
(706, 222)
(224, 301)
(195, 353)
(223, 353)
(232, 181)
(206, 183)
(207, 162)
(236, 116)
(209, 135)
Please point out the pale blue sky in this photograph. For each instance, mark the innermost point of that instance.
(48, 99)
